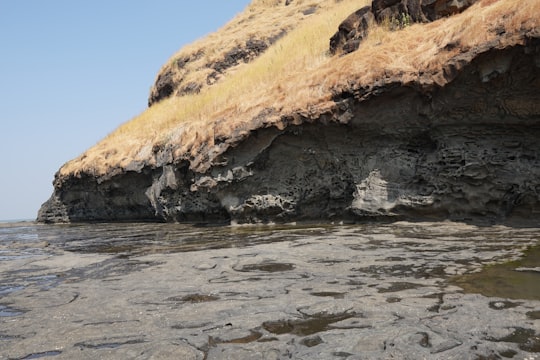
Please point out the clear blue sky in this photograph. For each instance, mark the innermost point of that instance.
(72, 71)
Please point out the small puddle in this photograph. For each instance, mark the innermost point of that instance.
(6, 311)
(335, 295)
(306, 326)
(42, 355)
(253, 336)
(399, 286)
(194, 298)
(108, 345)
(535, 315)
(7, 337)
(267, 267)
(5, 290)
(527, 339)
(513, 280)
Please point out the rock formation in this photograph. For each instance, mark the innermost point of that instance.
(175, 78)
(169, 83)
(459, 143)
(352, 31)
(396, 14)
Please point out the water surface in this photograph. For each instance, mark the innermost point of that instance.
(402, 290)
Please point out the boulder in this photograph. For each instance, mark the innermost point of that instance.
(396, 14)
(163, 88)
(436, 9)
(352, 31)
(384, 10)
(418, 10)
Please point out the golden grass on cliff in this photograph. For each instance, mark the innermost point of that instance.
(423, 47)
(189, 119)
(262, 20)
(297, 73)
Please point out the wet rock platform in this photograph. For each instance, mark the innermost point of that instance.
(164, 291)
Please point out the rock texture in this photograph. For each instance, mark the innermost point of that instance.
(418, 10)
(239, 42)
(352, 31)
(171, 81)
(393, 13)
(458, 144)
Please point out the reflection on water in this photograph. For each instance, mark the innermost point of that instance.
(6, 311)
(306, 326)
(134, 239)
(519, 279)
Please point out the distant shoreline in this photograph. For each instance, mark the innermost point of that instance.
(15, 221)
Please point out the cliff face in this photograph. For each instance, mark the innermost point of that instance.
(459, 142)
(195, 68)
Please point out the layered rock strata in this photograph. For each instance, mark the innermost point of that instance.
(459, 144)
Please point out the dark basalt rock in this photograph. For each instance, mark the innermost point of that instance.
(418, 10)
(352, 31)
(167, 84)
(396, 9)
(251, 50)
(396, 14)
(164, 87)
(436, 9)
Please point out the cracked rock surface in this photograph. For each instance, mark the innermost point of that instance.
(161, 291)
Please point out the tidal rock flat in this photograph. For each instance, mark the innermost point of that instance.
(161, 291)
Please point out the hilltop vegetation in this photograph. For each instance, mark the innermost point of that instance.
(240, 94)
(295, 73)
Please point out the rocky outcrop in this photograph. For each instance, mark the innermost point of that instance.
(246, 37)
(394, 14)
(458, 144)
(172, 80)
(244, 54)
(436, 9)
(418, 10)
(352, 31)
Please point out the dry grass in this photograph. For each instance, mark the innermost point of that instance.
(296, 73)
(262, 20)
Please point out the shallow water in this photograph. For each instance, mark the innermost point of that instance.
(402, 290)
(518, 279)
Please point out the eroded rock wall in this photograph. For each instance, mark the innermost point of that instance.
(466, 151)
